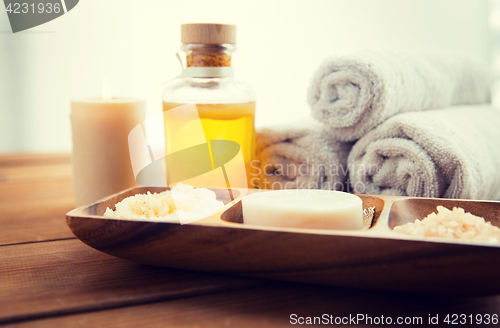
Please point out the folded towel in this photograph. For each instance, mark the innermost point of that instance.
(355, 93)
(450, 153)
(299, 156)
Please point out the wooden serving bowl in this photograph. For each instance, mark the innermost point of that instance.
(377, 258)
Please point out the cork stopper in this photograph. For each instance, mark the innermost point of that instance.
(208, 45)
(208, 33)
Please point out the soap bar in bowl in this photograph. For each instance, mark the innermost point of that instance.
(304, 208)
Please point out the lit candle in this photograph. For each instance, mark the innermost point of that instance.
(100, 157)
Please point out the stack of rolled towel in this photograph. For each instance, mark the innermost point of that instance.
(395, 123)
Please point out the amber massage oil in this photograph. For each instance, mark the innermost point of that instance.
(226, 106)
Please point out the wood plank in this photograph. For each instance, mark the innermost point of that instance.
(35, 194)
(271, 306)
(29, 190)
(16, 159)
(55, 278)
(35, 220)
(27, 169)
(36, 172)
(34, 167)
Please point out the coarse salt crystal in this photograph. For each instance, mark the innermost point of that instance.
(455, 224)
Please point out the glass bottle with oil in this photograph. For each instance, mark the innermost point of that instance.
(226, 106)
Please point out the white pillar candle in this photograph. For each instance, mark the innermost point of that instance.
(100, 157)
(302, 208)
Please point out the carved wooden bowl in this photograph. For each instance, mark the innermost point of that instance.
(377, 258)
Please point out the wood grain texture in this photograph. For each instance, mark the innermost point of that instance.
(40, 190)
(41, 167)
(35, 173)
(67, 284)
(54, 278)
(271, 307)
(35, 194)
(35, 220)
(374, 259)
(17, 159)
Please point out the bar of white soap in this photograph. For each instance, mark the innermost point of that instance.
(304, 208)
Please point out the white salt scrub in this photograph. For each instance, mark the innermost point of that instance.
(455, 224)
(189, 202)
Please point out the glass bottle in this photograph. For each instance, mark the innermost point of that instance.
(226, 106)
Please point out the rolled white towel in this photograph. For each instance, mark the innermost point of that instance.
(450, 153)
(355, 93)
(299, 156)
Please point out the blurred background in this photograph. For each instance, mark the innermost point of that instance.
(280, 44)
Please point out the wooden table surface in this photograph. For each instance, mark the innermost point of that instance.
(50, 279)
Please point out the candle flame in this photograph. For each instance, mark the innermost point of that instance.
(106, 89)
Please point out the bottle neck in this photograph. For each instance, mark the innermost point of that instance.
(208, 55)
